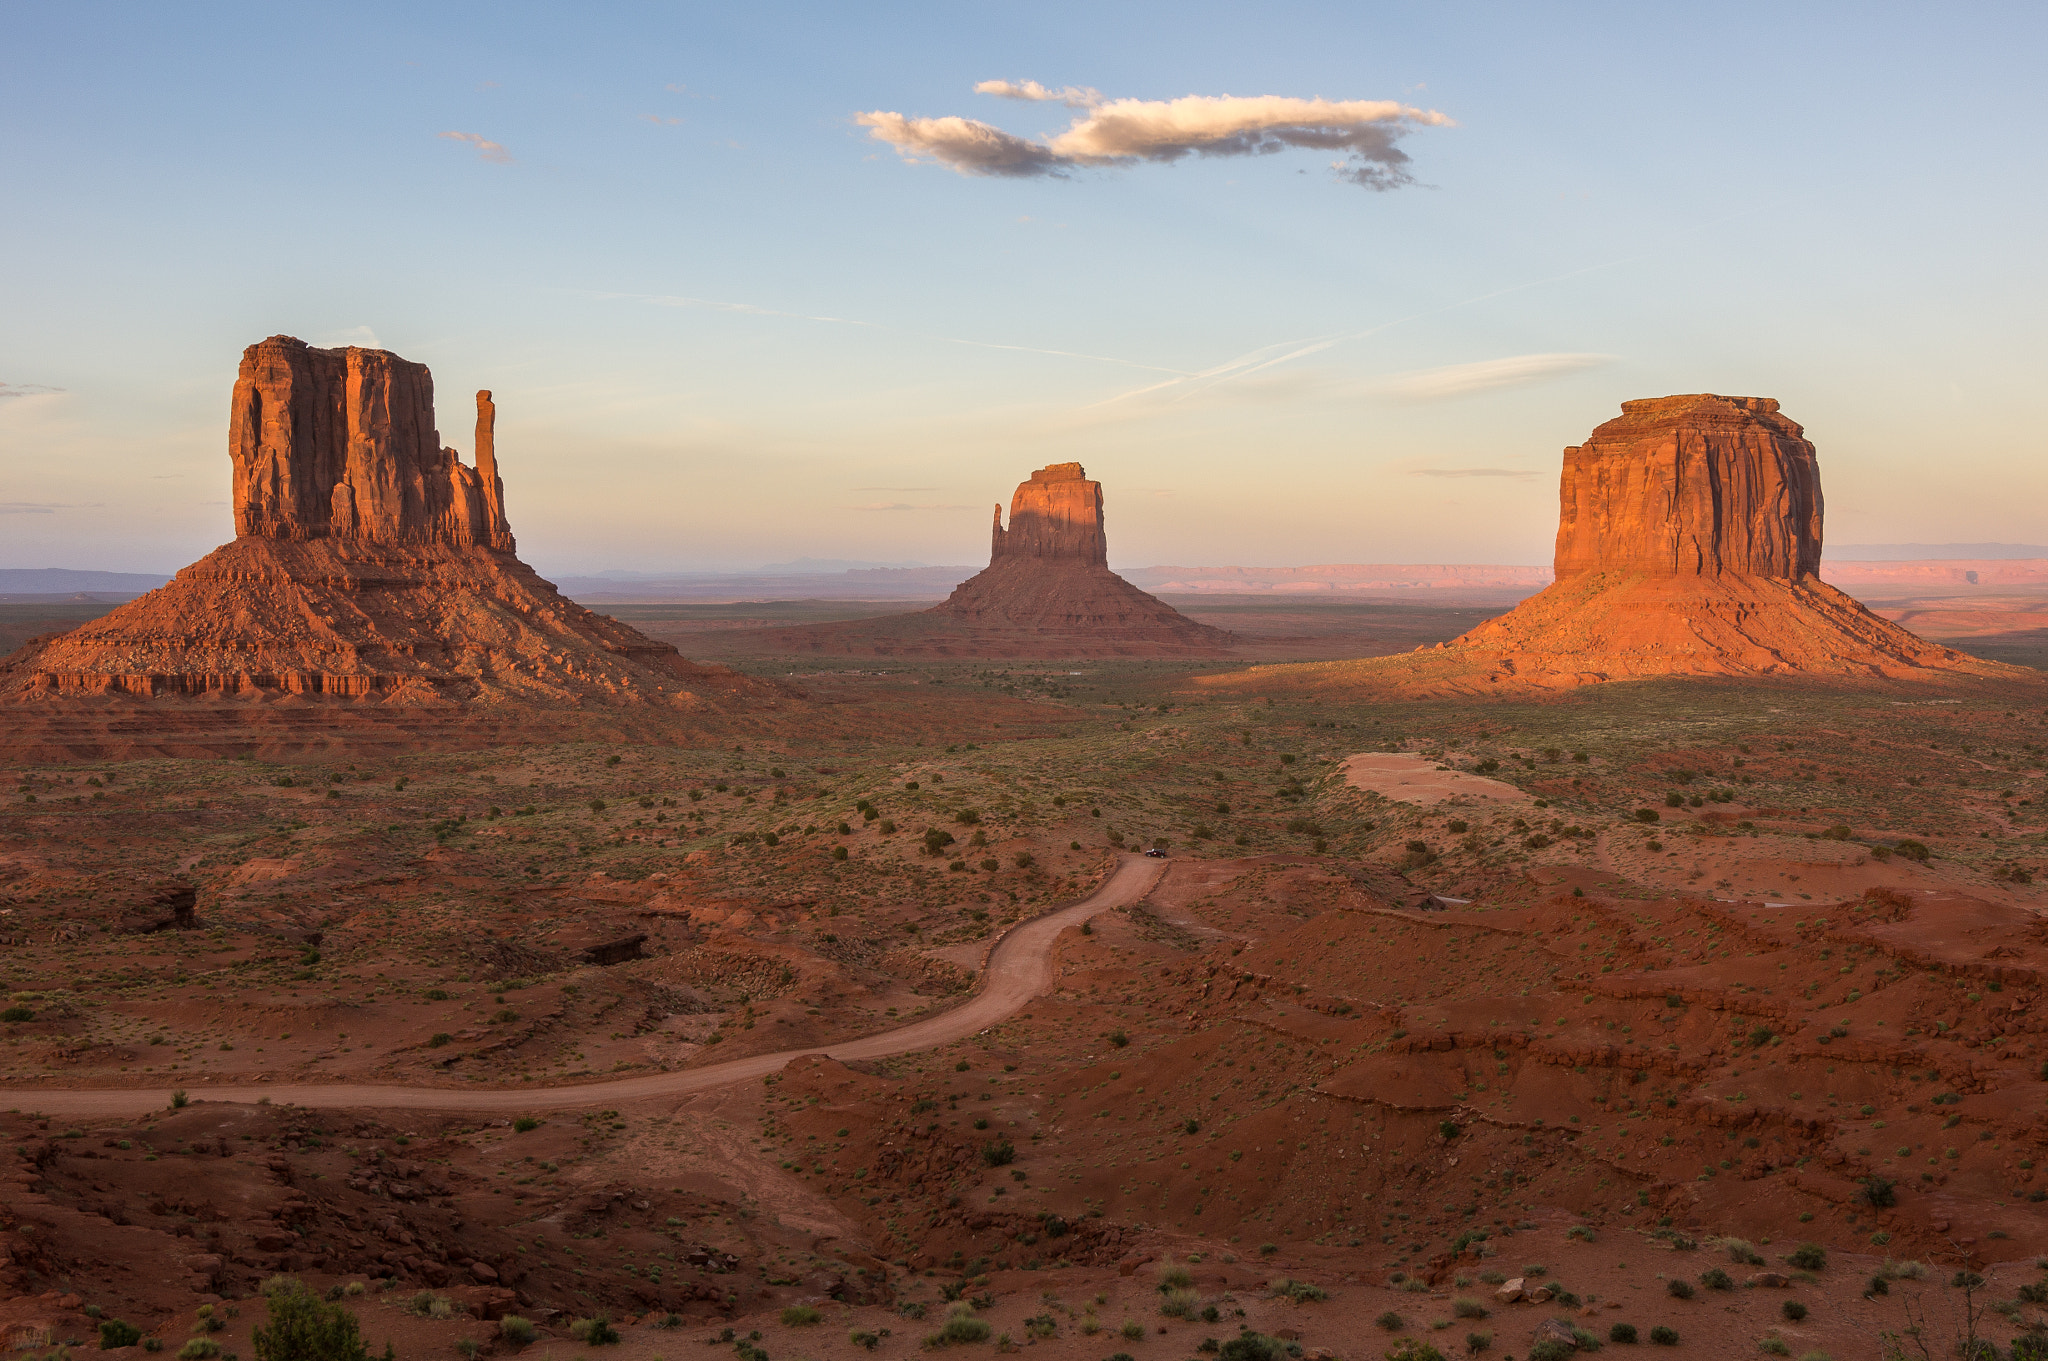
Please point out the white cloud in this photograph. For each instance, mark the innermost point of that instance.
(1073, 96)
(1129, 131)
(1462, 380)
(486, 149)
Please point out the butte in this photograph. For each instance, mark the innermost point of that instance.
(1047, 592)
(371, 570)
(1688, 544)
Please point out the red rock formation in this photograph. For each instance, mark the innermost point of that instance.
(341, 444)
(1046, 592)
(369, 563)
(1688, 544)
(1057, 515)
(1697, 485)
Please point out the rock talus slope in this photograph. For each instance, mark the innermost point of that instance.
(1688, 544)
(369, 564)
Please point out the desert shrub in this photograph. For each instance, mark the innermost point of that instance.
(1713, 1278)
(202, 1348)
(1663, 1336)
(1300, 1292)
(1466, 1307)
(426, 1304)
(1809, 1257)
(1119, 1038)
(1174, 1276)
(1132, 1330)
(1478, 1342)
(304, 1327)
(1551, 1349)
(1678, 1288)
(1879, 1193)
(1180, 1304)
(801, 1316)
(1622, 1333)
(17, 1013)
(1407, 1349)
(999, 1153)
(961, 1326)
(596, 1331)
(1251, 1346)
(1912, 850)
(1774, 1346)
(863, 1339)
(525, 1123)
(516, 1330)
(1390, 1321)
(1648, 815)
(115, 1333)
(1793, 1310)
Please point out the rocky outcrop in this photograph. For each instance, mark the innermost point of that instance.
(1048, 578)
(1692, 486)
(1056, 516)
(370, 565)
(1688, 544)
(341, 444)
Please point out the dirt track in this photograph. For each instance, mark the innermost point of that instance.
(1019, 968)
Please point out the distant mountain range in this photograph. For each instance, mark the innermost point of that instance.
(73, 581)
(1933, 552)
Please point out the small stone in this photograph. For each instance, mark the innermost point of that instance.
(1776, 1280)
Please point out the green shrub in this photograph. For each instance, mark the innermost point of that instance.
(1713, 1278)
(801, 1316)
(1793, 1310)
(1879, 1193)
(1174, 1276)
(1623, 1333)
(1809, 1257)
(1466, 1307)
(17, 1013)
(1000, 1153)
(1478, 1342)
(1664, 1337)
(516, 1330)
(524, 1124)
(201, 1348)
(1180, 1304)
(1390, 1321)
(1407, 1349)
(1551, 1349)
(1132, 1330)
(961, 1326)
(596, 1331)
(863, 1339)
(1678, 1288)
(426, 1304)
(1301, 1292)
(114, 1333)
(1774, 1346)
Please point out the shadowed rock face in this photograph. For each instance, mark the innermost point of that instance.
(341, 443)
(1695, 485)
(1057, 514)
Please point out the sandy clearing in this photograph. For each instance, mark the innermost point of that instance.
(1019, 969)
(1407, 778)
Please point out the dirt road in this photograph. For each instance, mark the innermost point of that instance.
(1019, 969)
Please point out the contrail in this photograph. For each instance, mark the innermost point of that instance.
(1247, 364)
(676, 300)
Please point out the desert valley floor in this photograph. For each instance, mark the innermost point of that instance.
(1707, 1006)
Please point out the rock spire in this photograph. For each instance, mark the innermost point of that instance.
(341, 444)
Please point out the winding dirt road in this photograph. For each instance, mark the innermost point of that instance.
(1019, 969)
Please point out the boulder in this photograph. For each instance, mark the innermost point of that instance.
(1555, 1330)
(1510, 1292)
(1776, 1280)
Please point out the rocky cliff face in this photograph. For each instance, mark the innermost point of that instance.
(341, 444)
(1055, 515)
(1692, 486)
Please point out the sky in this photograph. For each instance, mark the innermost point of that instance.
(1297, 283)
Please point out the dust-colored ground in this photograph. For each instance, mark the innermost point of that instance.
(1760, 962)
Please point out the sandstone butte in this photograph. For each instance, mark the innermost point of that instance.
(370, 566)
(1047, 592)
(1688, 544)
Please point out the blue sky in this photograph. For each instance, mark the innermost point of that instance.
(726, 325)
